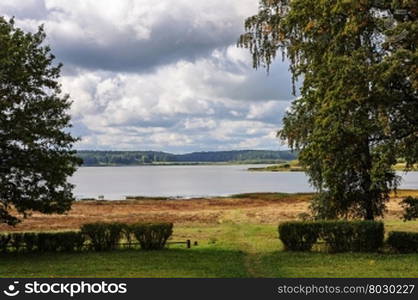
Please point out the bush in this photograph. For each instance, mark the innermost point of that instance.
(298, 236)
(410, 208)
(16, 241)
(43, 241)
(4, 242)
(71, 241)
(48, 242)
(31, 241)
(403, 242)
(355, 236)
(152, 236)
(339, 236)
(59, 241)
(103, 236)
(128, 234)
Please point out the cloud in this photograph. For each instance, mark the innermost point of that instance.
(177, 106)
(162, 75)
(24, 10)
(134, 35)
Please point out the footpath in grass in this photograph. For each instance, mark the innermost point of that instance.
(224, 251)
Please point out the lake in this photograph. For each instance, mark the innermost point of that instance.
(116, 183)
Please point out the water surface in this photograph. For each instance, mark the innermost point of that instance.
(191, 181)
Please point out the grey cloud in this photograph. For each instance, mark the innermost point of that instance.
(29, 9)
(175, 83)
(104, 43)
(169, 42)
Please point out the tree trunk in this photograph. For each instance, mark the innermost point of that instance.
(367, 181)
(369, 210)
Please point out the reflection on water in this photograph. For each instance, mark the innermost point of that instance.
(191, 181)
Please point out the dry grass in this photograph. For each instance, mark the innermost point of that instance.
(258, 208)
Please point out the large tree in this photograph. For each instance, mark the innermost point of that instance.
(357, 112)
(36, 155)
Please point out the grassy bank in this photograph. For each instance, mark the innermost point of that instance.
(237, 237)
(294, 166)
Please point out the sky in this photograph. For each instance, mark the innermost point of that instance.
(160, 75)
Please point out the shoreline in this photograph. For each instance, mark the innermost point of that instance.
(252, 208)
(294, 166)
(189, 164)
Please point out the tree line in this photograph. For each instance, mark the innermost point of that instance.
(131, 158)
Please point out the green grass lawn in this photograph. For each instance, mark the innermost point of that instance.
(224, 250)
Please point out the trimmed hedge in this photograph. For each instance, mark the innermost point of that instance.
(152, 236)
(128, 234)
(60, 241)
(106, 236)
(42, 241)
(298, 236)
(403, 242)
(103, 236)
(339, 236)
(97, 236)
(4, 242)
(31, 241)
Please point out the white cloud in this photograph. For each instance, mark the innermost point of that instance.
(160, 75)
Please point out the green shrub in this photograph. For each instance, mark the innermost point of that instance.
(410, 208)
(31, 241)
(355, 236)
(339, 236)
(48, 242)
(4, 242)
(403, 242)
(59, 241)
(71, 241)
(103, 236)
(152, 236)
(369, 236)
(298, 236)
(17, 241)
(128, 234)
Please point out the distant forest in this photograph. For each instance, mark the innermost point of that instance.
(133, 158)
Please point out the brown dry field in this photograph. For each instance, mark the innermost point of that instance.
(257, 208)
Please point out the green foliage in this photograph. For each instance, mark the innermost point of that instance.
(16, 241)
(42, 241)
(339, 236)
(4, 242)
(357, 236)
(356, 111)
(103, 158)
(298, 236)
(152, 236)
(403, 242)
(35, 146)
(128, 234)
(98, 236)
(71, 241)
(30, 240)
(103, 236)
(49, 242)
(59, 241)
(410, 206)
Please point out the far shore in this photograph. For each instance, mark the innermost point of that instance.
(158, 164)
